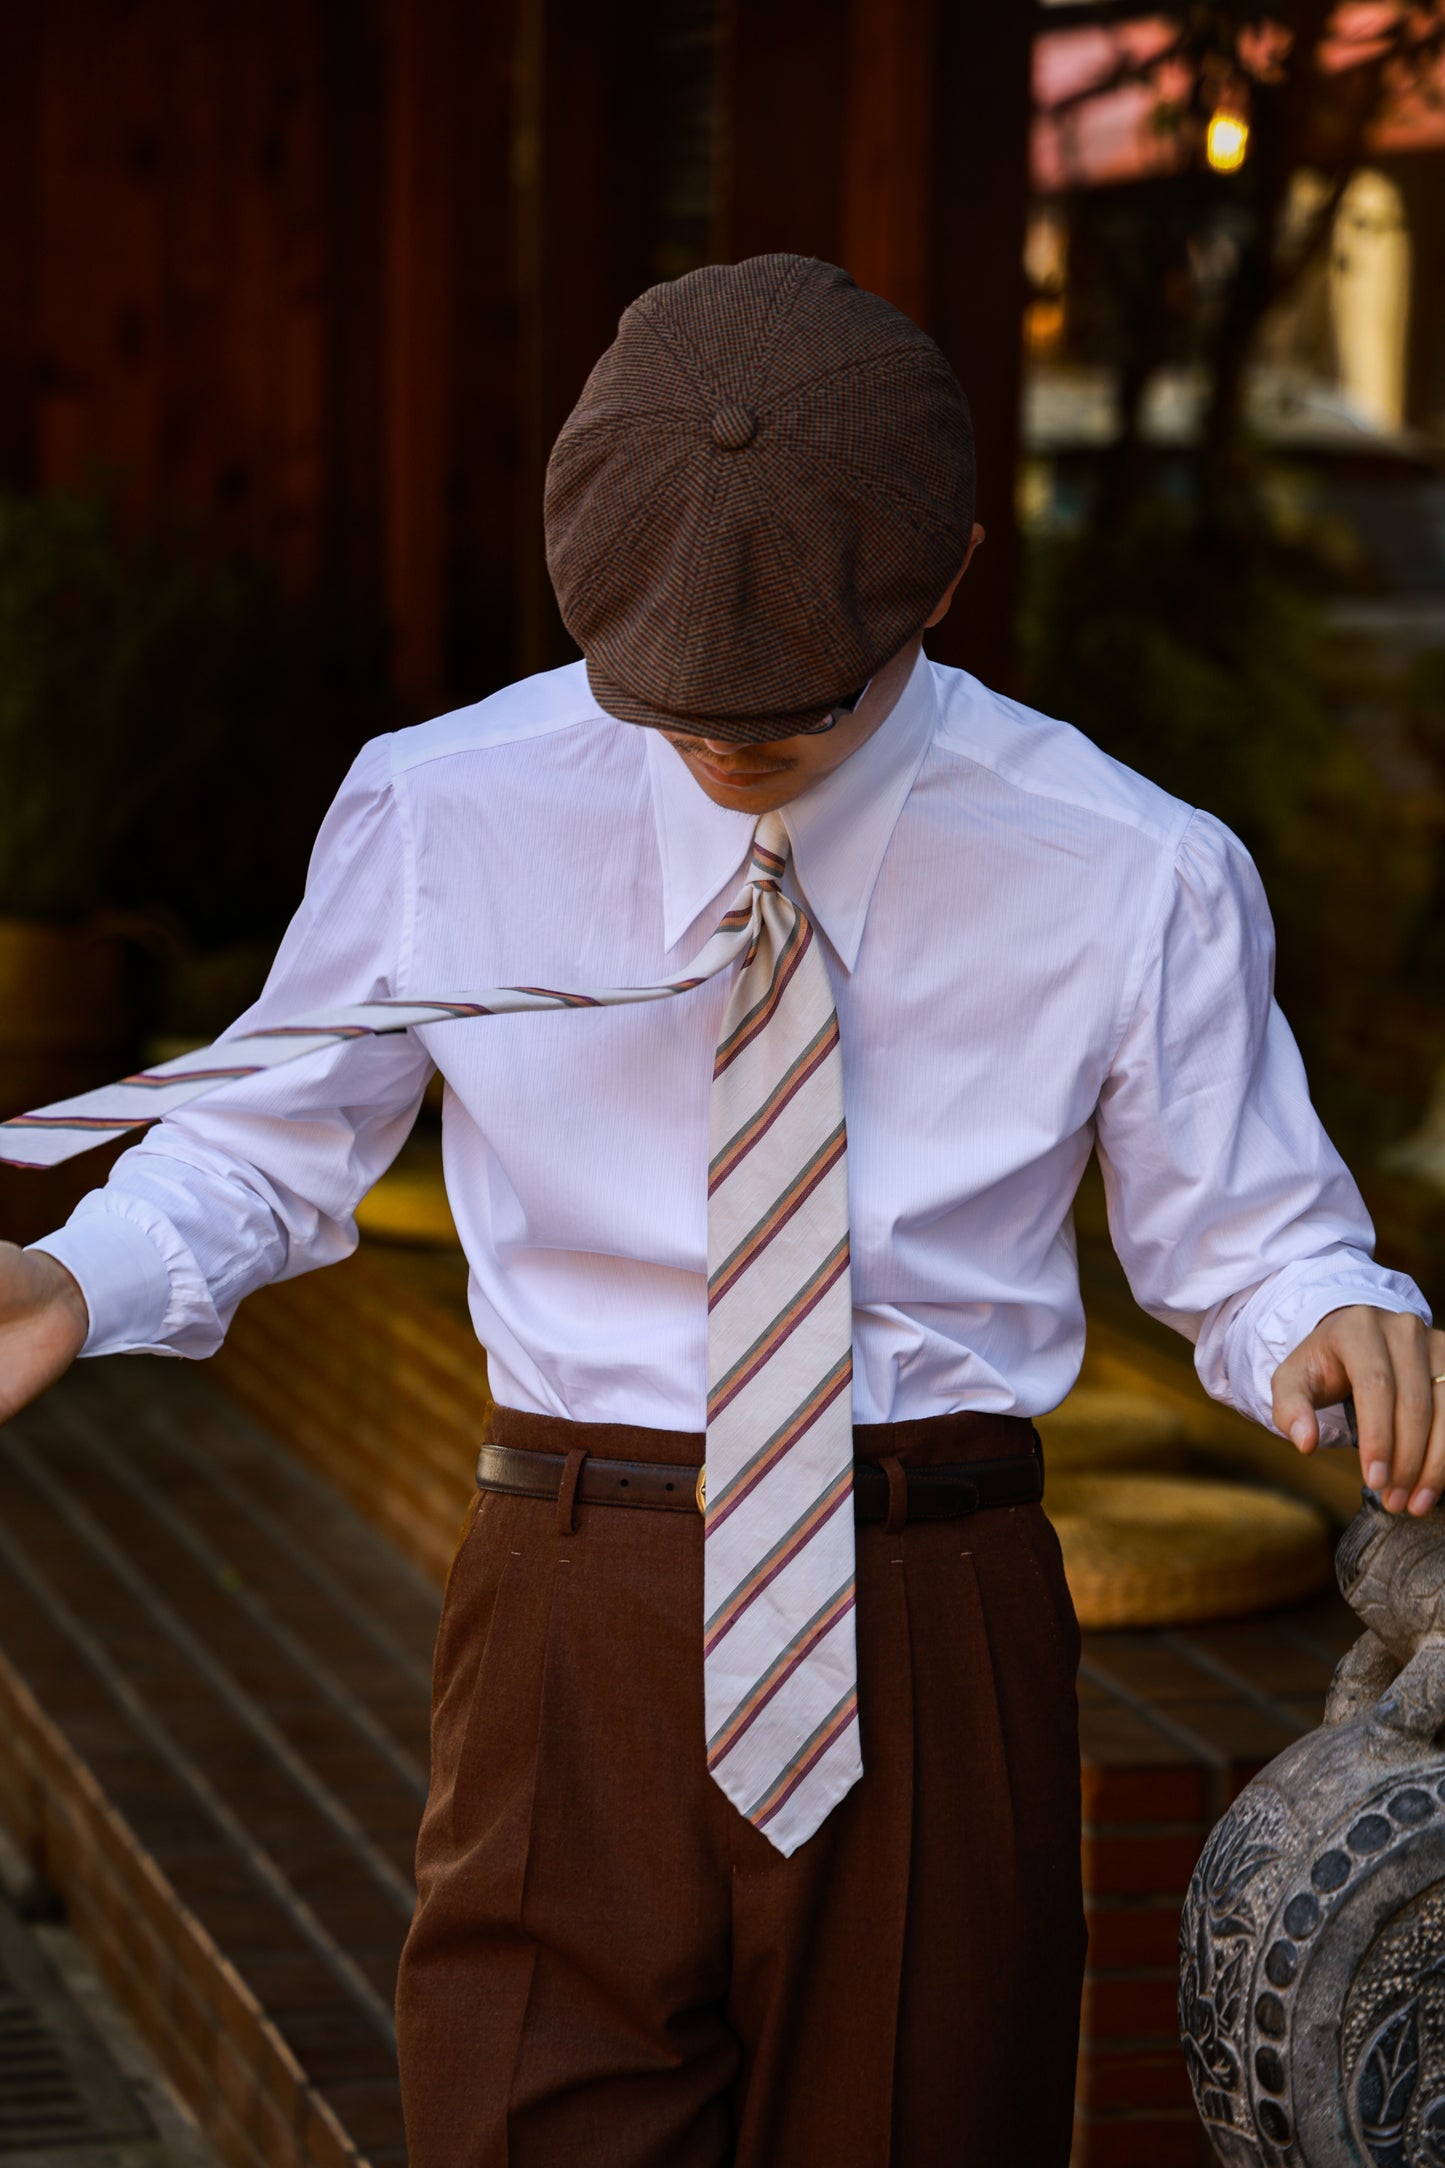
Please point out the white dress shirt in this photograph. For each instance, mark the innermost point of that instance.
(1032, 950)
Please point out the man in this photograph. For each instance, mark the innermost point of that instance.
(753, 1833)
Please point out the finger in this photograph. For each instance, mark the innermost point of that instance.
(1365, 1355)
(1294, 1416)
(1431, 1480)
(1408, 1342)
(1311, 1377)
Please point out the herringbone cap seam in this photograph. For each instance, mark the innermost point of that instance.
(768, 329)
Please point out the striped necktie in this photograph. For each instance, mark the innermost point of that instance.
(779, 1668)
(779, 1665)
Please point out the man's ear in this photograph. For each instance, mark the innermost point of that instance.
(941, 609)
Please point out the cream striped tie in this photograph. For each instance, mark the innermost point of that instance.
(779, 1665)
(778, 1650)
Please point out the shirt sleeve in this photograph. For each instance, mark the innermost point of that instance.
(259, 1180)
(1233, 1215)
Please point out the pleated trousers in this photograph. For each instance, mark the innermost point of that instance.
(608, 1966)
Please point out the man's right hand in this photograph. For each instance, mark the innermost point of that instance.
(43, 1324)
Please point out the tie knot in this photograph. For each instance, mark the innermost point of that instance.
(770, 849)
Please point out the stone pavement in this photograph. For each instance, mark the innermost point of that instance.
(78, 2089)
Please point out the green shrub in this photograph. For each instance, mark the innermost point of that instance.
(1196, 665)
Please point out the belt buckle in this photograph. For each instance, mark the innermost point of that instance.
(700, 1490)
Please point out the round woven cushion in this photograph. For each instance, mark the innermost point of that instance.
(409, 1204)
(1101, 1426)
(1163, 1550)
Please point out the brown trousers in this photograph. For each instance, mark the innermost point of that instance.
(608, 1966)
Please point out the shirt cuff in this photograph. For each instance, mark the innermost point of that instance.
(1287, 1308)
(122, 1276)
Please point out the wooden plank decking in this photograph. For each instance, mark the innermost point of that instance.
(217, 1680)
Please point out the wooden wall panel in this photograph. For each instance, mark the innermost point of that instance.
(449, 348)
(20, 60)
(893, 139)
(294, 170)
(181, 321)
(99, 254)
(354, 161)
(888, 179)
(418, 335)
(482, 478)
(980, 207)
(246, 275)
(586, 141)
(206, 446)
(330, 273)
(263, 271)
(789, 102)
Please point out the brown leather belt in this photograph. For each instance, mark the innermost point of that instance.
(940, 1493)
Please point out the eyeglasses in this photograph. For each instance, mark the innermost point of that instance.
(835, 714)
(803, 730)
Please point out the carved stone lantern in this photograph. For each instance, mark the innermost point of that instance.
(1312, 1946)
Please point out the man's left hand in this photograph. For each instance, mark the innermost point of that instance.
(1387, 1362)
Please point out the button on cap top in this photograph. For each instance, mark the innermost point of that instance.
(733, 427)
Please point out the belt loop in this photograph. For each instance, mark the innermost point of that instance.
(567, 1494)
(897, 1495)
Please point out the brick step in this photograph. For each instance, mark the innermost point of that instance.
(1173, 1724)
(215, 1677)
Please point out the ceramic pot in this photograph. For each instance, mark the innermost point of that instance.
(1312, 1947)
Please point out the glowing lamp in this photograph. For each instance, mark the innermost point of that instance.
(1227, 141)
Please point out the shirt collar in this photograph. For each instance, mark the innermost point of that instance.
(840, 829)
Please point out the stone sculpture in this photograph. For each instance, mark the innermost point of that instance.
(1312, 1945)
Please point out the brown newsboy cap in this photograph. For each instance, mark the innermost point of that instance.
(762, 492)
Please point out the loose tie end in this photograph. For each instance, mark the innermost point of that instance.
(47, 1136)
